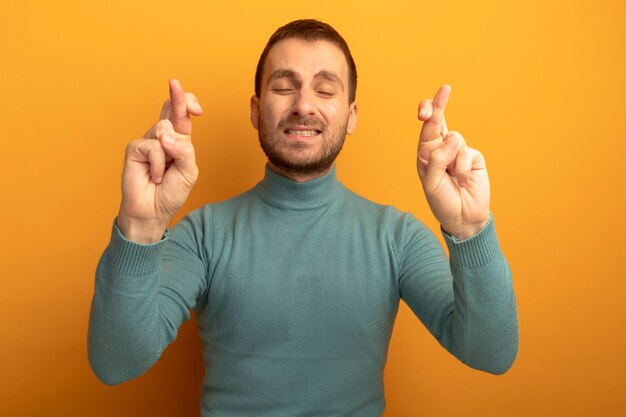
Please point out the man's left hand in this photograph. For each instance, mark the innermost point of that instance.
(453, 175)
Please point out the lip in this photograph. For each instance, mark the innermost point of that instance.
(292, 132)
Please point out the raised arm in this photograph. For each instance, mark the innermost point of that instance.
(467, 301)
(147, 281)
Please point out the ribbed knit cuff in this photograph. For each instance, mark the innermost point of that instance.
(476, 251)
(128, 258)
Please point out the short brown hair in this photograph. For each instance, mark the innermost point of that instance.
(309, 30)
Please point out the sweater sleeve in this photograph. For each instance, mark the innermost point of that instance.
(466, 302)
(142, 295)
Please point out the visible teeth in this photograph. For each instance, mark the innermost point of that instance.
(302, 132)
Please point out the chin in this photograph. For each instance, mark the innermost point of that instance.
(300, 157)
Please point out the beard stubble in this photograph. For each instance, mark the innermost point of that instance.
(279, 153)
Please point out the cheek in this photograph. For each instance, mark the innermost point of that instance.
(271, 113)
(334, 114)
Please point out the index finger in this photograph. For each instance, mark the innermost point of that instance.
(179, 115)
(439, 103)
(435, 126)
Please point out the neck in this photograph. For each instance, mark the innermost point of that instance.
(282, 192)
(299, 176)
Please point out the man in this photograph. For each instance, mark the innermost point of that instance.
(296, 282)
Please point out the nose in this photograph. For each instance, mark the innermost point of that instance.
(303, 104)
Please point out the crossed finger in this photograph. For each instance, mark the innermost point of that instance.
(179, 107)
(431, 112)
(164, 127)
(425, 112)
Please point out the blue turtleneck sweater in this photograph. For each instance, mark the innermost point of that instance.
(296, 287)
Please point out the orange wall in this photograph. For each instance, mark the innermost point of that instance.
(539, 88)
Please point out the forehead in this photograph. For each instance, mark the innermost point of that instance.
(306, 58)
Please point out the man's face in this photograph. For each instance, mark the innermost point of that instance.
(303, 114)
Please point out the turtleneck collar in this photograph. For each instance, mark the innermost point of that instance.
(284, 193)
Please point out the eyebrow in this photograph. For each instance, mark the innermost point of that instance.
(330, 76)
(282, 73)
(289, 73)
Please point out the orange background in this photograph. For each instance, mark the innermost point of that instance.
(537, 87)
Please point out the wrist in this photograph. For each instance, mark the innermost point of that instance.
(465, 230)
(141, 230)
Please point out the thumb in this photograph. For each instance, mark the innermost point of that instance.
(440, 158)
(182, 153)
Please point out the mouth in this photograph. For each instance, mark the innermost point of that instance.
(305, 133)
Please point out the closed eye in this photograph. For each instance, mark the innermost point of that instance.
(282, 90)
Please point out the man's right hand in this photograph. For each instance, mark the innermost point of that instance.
(160, 170)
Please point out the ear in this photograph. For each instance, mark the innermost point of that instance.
(254, 111)
(352, 118)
